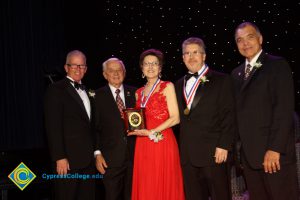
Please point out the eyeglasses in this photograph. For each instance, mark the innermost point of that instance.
(75, 66)
(147, 64)
(194, 53)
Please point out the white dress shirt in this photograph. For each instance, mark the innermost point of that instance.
(84, 97)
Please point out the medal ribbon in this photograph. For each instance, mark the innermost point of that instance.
(190, 94)
(143, 105)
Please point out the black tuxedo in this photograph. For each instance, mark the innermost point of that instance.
(69, 134)
(265, 105)
(116, 148)
(210, 124)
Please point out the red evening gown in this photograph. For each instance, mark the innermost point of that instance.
(157, 172)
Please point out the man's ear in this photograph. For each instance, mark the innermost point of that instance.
(104, 75)
(260, 39)
(66, 68)
(204, 57)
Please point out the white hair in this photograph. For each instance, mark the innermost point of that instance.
(75, 53)
(104, 64)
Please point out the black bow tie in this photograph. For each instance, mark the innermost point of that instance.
(189, 75)
(78, 85)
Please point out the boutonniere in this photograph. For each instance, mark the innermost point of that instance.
(128, 94)
(257, 65)
(203, 80)
(91, 93)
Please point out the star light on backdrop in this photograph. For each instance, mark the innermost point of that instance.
(129, 27)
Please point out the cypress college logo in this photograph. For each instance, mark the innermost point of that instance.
(21, 176)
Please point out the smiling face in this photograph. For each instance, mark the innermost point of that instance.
(151, 67)
(114, 73)
(193, 57)
(249, 41)
(73, 69)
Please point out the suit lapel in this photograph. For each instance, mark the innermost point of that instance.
(197, 97)
(129, 97)
(200, 91)
(112, 101)
(181, 93)
(253, 72)
(246, 82)
(111, 97)
(72, 91)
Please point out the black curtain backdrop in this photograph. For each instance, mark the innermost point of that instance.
(31, 48)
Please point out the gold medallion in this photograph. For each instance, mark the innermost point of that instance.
(186, 111)
(135, 119)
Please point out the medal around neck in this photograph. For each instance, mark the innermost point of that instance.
(145, 101)
(186, 111)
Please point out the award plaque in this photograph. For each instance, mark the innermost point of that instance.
(134, 118)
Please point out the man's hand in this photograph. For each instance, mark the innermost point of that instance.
(271, 162)
(100, 163)
(62, 166)
(220, 155)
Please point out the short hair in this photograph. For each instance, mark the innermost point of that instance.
(152, 52)
(104, 64)
(193, 40)
(75, 53)
(244, 24)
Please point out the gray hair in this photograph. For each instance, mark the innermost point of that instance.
(75, 53)
(193, 40)
(244, 24)
(104, 64)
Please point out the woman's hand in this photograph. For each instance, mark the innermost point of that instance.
(142, 132)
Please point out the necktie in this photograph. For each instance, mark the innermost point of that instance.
(247, 71)
(189, 75)
(120, 103)
(78, 85)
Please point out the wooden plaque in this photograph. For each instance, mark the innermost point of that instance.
(134, 118)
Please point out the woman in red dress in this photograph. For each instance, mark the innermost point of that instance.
(157, 172)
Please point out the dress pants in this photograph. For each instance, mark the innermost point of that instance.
(118, 182)
(75, 188)
(200, 183)
(282, 185)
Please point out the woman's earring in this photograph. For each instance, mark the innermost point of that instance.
(159, 75)
(143, 75)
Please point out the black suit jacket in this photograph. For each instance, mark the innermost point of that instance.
(67, 125)
(265, 104)
(111, 137)
(210, 123)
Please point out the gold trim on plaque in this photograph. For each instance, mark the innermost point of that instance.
(135, 119)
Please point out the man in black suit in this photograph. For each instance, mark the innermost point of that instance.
(206, 106)
(114, 150)
(265, 103)
(69, 131)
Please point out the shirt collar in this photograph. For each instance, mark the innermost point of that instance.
(72, 79)
(253, 61)
(199, 71)
(113, 89)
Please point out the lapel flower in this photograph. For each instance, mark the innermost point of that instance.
(91, 93)
(257, 65)
(203, 80)
(128, 94)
